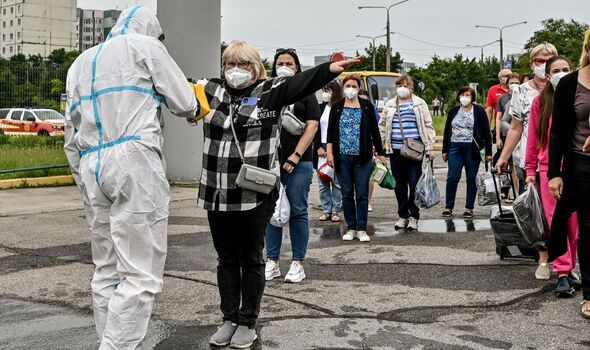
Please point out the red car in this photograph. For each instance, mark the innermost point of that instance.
(31, 121)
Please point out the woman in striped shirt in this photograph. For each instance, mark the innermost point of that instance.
(412, 120)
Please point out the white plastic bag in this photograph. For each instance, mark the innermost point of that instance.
(427, 191)
(530, 216)
(282, 212)
(486, 191)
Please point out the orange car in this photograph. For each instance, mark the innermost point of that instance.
(31, 121)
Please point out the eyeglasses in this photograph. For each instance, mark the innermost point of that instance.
(243, 65)
(539, 61)
(282, 51)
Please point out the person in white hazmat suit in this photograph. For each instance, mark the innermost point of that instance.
(113, 145)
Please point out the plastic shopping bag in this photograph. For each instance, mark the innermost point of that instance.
(486, 191)
(427, 191)
(282, 212)
(530, 217)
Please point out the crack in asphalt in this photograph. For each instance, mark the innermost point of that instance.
(396, 315)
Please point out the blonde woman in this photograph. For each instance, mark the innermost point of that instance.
(238, 218)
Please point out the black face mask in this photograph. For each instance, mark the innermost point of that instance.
(162, 37)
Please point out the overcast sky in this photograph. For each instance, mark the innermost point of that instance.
(425, 27)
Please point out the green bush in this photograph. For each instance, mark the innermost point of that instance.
(33, 141)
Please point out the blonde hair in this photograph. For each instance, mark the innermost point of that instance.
(544, 48)
(585, 58)
(241, 51)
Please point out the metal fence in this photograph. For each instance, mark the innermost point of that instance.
(23, 84)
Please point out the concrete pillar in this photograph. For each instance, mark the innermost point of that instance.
(193, 37)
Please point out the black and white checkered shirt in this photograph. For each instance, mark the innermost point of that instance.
(256, 113)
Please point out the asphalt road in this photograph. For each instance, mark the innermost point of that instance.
(442, 287)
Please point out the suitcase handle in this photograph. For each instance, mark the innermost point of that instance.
(508, 172)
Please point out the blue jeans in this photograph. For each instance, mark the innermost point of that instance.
(461, 155)
(330, 195)
(354, 183)
(406, 173)
(297, 187)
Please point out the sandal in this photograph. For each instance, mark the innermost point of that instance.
(325, 217)
(585, 309)
(335, 217)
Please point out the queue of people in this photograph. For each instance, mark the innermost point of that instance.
(245, 145)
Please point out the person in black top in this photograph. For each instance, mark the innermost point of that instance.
(238, 217)
(296, 173)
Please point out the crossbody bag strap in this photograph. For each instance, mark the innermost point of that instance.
(274, 156)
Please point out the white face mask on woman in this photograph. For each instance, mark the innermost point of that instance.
(350, 92)
(402, 91)
(465, 101)
(285, 71)
(540, 71)
(326, 96)
(238, 78)
(556, 77)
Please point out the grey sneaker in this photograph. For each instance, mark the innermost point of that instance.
(224, 334)
(243, 338)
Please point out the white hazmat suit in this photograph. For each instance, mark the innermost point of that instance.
(113, 145)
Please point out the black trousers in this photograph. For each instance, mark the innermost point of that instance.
(238, 237)
(582, 185)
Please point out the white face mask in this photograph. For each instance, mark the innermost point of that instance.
(238, 78)
(513, 87)
(556, 77)
(465, 101)
(402, 91)
(540, 71)
(284, 71)
(350, 92)
(326, 96)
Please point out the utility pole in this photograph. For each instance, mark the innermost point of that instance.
(501, 29)
(481, 47)
(374, 47)
(388, 30)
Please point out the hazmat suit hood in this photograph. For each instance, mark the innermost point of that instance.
(137, 20)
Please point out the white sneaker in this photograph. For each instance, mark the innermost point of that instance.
(296, 273)
(349, 236)
(272, 270)
(401, 223)
(412, 224)
(370, 208)
(363, 236)
(543, 271)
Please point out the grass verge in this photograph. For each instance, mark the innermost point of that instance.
(33, 151)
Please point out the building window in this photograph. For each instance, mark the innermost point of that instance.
(11, 9)
(18, 35)
(11, 36)
(3, 24)
(19, 9)
(86, 30)
(3, 37)
(3, 11)
(3, 50)
(11, 50)
(18, 21)
(11, 23)
(17, 48)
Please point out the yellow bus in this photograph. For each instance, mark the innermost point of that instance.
(380, 85)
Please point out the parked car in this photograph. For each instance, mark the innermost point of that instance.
(31, 121)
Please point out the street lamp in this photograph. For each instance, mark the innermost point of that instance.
(374, 47)
(501, 42)
(481, 47)
(388, 53)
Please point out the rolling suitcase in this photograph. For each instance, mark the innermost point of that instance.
(510, 242)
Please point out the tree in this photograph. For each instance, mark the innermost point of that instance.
(566, 36)
(380, 58)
